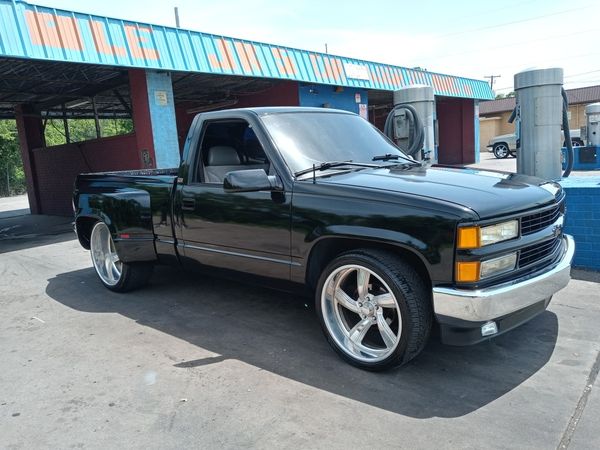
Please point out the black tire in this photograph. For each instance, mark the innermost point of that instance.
(124, 277)
(501, 150)
(513, 154)
(135, 276)
(411, 296)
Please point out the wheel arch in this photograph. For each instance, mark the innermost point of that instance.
(84, 225)
(327, 249)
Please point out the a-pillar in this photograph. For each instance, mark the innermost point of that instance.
(153, 112)
(31, 135)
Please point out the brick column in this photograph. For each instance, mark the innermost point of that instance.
(31, 135)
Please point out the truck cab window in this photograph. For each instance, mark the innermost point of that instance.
(227, 146)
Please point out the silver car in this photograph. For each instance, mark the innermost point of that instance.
(506, 144)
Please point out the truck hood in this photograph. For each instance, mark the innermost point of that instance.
(487, 193)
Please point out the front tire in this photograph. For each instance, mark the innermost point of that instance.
(115, 274)
(501, 150)
(375, 310)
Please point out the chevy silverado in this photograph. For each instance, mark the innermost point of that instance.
(320, 201)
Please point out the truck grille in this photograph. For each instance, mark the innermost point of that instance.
(538, 252)
(538, 221)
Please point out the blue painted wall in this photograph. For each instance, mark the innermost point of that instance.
(318, 95)
(162, 116)
(583, 219)
(477, 131)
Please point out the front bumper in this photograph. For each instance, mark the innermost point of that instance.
(469, 309)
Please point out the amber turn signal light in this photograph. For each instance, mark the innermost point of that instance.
(469, 237)
(467, 271)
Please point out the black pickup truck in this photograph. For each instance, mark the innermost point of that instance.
(320, 201)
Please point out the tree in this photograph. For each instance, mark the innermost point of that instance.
(12, 176)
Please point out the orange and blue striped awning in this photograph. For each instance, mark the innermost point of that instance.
(30, 31)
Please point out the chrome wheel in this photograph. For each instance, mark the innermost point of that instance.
(361, 313)
(501, 151)
(104, 256)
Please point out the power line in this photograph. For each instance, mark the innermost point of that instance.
(492, 78)
(513, 44)
(582, 73)
(513, 22)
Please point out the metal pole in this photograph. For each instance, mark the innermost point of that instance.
(96, 120)
(7, 181)
(177, 17)
(66, 124)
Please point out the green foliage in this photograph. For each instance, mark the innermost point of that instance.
(509, 95)
(12, 176)
(84, 129)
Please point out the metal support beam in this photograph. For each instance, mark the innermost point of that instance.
(65, 124)
(96, 120)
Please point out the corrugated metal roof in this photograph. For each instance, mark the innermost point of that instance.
(585, 95)
(30, 31)
(496, 106)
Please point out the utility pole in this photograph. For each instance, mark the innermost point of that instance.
(176, 17)
(492, 78)
(326, 52)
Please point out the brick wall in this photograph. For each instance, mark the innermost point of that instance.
(56, 167)
(583, 219)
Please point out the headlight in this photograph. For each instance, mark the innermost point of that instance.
(469, 272)
(475, 237)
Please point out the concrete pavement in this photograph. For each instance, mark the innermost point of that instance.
(200, 362)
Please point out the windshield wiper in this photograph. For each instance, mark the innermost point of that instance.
(389, 156)
(331, 165)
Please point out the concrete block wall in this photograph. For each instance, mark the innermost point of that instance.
(583, 219)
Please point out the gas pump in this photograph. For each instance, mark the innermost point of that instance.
(541, 110)
(411, 123)
(592, 128)
(587, 157)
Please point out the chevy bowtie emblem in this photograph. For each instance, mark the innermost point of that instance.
(556, 230)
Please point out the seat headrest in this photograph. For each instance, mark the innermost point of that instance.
(222, 155)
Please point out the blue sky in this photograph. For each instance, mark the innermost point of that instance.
(467, 38)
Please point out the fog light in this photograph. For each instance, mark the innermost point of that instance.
(487, 329)
(499, 265)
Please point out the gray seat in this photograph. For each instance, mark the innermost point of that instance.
(221, 159)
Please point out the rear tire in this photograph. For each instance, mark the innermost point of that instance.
(374, 309)
(115, 274)
(501, 150)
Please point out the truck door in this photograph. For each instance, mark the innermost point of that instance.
(249, 231)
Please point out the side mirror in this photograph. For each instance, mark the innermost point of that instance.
(250, 181)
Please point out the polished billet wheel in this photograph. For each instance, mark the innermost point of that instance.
(115, 274)
(374, 309)
(361, 313)
(104, 255)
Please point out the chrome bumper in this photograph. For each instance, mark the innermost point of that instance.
(497, 301)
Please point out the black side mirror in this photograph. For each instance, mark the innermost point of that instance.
(250, 181)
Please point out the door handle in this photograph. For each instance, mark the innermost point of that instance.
(188, 204)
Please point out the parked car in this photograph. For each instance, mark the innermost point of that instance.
(506, 144)
(319, 201)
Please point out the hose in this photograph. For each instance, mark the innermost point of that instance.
(416, 136)
(567, 133)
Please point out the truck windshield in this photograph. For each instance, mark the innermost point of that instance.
(307, 138)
